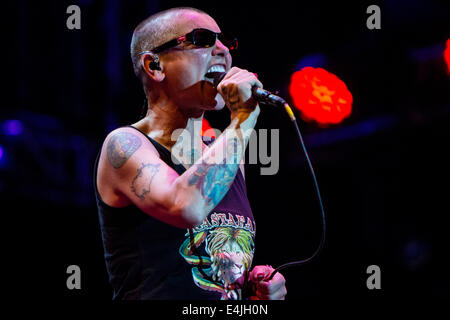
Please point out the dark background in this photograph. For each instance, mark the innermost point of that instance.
(383, 172)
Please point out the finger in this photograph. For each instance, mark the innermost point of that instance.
(233, 96)
(260, 273)
(278, 294)
(246, 77)
(241, 75)
(255, 82)
(234, 92)
(225, 87)
(268, 287)
(271, 286)
(232, 72)
(257, 275)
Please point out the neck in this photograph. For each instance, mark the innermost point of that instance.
(178, 131)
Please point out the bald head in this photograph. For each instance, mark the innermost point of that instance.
(157, 30)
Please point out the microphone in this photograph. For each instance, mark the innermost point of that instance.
(258, 94)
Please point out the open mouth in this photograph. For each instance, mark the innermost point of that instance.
(217, 68)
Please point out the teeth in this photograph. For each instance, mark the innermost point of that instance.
(216, 68)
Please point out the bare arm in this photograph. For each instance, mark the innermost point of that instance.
(133, 168)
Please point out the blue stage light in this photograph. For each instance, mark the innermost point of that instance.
(12, 127)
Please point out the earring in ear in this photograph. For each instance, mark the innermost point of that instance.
(153, 65)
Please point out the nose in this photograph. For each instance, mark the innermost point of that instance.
(220, 49)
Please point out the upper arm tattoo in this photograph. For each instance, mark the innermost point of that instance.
(141, 183)
(121, 147)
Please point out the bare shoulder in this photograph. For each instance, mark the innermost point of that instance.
(121, 144)
(119, 150)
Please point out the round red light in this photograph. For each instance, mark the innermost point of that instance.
(320, 96)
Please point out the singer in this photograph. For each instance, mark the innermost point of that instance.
(174, 215)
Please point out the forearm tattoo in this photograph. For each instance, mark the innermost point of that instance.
(121, 147)
(213, 180)
(141, 183)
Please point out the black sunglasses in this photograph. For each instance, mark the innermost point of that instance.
(201, 38)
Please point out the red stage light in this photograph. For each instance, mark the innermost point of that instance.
(320, 96)
(447, 55)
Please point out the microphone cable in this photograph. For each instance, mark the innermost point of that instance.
(319, 198)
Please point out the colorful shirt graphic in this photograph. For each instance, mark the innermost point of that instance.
(221, 251)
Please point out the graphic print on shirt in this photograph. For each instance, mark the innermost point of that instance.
(229, 247)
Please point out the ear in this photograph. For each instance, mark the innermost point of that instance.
(152, 66)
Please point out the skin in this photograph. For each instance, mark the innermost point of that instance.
(274, 289)
(130, 170)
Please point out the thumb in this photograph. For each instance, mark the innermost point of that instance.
(260, 276)
(259, 273)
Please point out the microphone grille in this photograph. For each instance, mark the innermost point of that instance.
(217, 76)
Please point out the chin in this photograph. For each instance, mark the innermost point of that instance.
(216, 103)
(220, 104)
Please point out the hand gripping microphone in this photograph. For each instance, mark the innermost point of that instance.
(258, 94)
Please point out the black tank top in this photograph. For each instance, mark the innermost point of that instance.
(148, 259)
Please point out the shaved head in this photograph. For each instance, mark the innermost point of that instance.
(156, 30)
